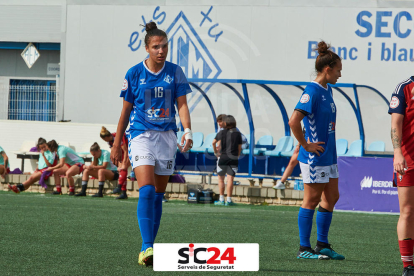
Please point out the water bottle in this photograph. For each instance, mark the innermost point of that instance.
(301, 186)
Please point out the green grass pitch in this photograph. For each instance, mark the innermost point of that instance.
(62, 235)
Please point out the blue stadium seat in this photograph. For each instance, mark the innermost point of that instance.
(265, 142)
(198, 138)
(341, 147)
(377, 146)
(355, 149)
(207, 145)
(285, 144)
(289, 153)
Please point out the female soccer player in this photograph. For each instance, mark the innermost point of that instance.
(123, 166)
(46, 159)
(101, 168)
(149, 92)
(230, 140)
(402, 123)
(4, 163)
(70, 164)
(318, 160)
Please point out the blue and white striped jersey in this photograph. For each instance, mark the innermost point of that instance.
(320, 122)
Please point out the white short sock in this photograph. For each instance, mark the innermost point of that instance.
(221, 197)
(229, 199)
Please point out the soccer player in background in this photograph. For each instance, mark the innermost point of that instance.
(101, 168)
(70, 164)
(318, 160)
(46, 159)
(124, 164)
(150, 91)
(231, 146)
(402, 126)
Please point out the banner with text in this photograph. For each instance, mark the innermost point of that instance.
(365, 184)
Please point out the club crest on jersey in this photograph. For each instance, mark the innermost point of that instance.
(125, 85)
(168, 79)
(142, 81)
(305, 98)
(395, 102)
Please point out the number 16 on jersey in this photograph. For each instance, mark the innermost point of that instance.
(159, 92)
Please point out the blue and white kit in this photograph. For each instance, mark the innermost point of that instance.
(317, 104)
(154, 97)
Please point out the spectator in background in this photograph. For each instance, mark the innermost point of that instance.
(46, 159)
(4, 163)
(231, 146)
(70, 164)
(101, 168)
(123, 166)
(220, 121)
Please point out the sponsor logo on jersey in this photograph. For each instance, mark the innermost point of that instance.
(168, 79)
(395, 102)
(305, 98)
(137, 157)
(324, 174)
(142, 81)
(125, 85)
(323, 98)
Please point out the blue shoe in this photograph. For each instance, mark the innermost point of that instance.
(326, 249)
(308, 253)
(231, 203)
(219, 203)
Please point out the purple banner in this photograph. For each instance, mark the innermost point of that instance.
(365, 184)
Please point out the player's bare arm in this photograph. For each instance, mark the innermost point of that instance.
(184, 114)
(396, 135)
(116, 152)
(294, 124)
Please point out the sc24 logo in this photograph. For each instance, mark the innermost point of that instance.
(228, 255)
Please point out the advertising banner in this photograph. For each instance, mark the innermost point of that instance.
(365, 184)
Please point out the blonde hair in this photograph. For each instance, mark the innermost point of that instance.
(104, 132)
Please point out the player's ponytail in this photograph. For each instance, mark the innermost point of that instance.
(150, 26)
(104, 132)
(152, 30)
(326, 57)
(95, 147)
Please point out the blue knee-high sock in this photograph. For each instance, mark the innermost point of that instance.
(157, 212)
(323, 222)
(305, 226)
(145, 213)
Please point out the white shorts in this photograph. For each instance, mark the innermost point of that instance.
(154, 148)
(318, 174)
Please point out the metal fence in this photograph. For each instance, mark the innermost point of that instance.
(32, 100)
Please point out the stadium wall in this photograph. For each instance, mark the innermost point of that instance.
(270, 40)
